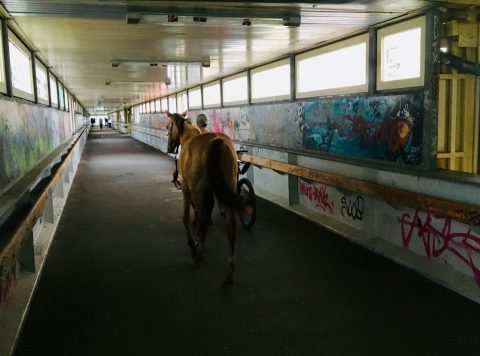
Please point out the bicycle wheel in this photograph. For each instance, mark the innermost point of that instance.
(245, 189)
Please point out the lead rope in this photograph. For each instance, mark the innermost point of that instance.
(175, 180)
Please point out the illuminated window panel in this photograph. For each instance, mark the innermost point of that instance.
(21, 68)
(235, 89)
(53, 90)
(3, 84)
(164, 104)
(42, 82)
(335, 69)
(67, 100)
(211, 95)
(158, 106)
(172, 103)
(61, 97)
(401, 55)
(195, 98)
(182, 102)
(271, 82)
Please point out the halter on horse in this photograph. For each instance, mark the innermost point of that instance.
(208, 162)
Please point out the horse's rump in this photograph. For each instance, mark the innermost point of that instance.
(209, 162)
(221, 162)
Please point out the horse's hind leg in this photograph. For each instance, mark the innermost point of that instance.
(201, 229)
(186, 218)
(230, 224)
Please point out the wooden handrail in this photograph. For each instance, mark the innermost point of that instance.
(468, 214)
(11, 245)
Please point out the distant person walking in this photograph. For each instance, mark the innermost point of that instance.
(101, 124)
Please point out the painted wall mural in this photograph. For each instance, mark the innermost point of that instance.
(385, 128)
(275, 125)
(388, 128)
(154, 121)
(28, 133)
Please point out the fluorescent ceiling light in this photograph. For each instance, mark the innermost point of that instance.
(157, 63)
(113, 82)
(211, 21)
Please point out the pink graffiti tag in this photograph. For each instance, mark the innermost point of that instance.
(317, 195)
(464, 245)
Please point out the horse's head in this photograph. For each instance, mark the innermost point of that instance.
(175, 130)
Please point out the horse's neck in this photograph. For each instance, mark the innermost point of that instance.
(189, 132)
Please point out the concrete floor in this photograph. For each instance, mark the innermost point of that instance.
(119, 279)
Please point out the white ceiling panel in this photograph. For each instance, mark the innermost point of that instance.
(79, 39)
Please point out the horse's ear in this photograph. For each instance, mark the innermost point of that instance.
(184, 114)
(169, 114)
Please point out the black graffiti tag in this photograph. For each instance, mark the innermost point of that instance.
(353, 209)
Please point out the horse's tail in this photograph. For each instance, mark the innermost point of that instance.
(228, 197)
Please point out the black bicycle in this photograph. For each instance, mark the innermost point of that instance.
(246, 191)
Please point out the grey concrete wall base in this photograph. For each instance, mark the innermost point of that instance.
(13, 313)
(424, 266)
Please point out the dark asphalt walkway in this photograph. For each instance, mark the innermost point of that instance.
(119, 280)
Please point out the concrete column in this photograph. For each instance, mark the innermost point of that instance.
(293, 197)
(27, 254)
(48, 213)
(432, 72)
(60, 191)
(66, 175)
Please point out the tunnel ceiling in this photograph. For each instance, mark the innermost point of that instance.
(108, 63)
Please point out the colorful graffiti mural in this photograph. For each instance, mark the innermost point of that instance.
(28, 133)
(154, 121)
(387, 128)
(384, 127)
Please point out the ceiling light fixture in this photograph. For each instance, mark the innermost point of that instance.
(157, 63)
(116, 82)
(212, 21)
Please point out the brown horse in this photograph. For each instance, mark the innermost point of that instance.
(208, 164)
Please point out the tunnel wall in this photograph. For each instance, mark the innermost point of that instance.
(28, 133)
(376, 139)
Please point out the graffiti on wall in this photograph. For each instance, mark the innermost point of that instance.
(270, 154)
(274, 125)
(7, 276)
(317, 194)
(154, 121)
(352, 207)
(386, 128)
(441, 238)
(28, 133)
(383, 127)
(327, 200)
